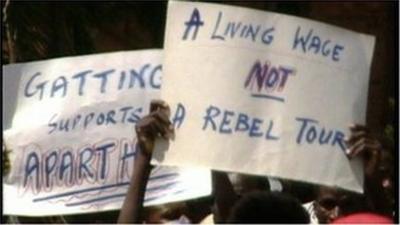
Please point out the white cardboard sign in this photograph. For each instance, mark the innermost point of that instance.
(264, 93)
(73, 140)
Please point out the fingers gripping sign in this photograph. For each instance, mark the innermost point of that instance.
(154, 125)
(362, 143)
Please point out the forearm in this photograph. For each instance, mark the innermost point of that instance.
(224, 194)
(375, 194)
(148, 128)
(131, 211)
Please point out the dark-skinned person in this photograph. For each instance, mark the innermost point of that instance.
(257, 207)
(331, 203)
(254, 203)
(148, 128)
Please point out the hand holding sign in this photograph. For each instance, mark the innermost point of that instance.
(378, 168)
(153, 125)
(84, 150)
(147, 130)
(243, 81)
(361, 143)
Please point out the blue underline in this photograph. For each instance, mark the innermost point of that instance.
(95, 200)
(97, 188)
(123, 195)
(269, 97)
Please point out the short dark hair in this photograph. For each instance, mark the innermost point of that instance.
(264, 207)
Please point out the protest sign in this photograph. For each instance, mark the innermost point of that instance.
(264, 93)
(72, 136)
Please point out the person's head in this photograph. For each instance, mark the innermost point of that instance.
(244, 183)
(264, 207)
(303, 191)
(199, 208)
(164, 213)
(332, 203)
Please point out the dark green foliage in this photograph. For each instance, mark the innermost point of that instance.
(42, 30)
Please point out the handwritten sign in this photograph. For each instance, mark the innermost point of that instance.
(264, 93)
(72, 136)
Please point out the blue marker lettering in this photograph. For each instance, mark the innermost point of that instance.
(39, 87)
(66, 166)
(64, 125)
(134, 118)
(179, 116)
(225, 123)
(304, 121)
(212, 111)
(300, 39)
(255, 127)
(336, 51)
(103, 77)
(52, 124)
(324, 138)
(242, 123)
(82, 79)
(50, 165)
(326, 51)
(339, 139)
(110, 117)
(101, 118)
(267, 37)
(121, 80)
(194, 21)
(138, 76)
(252, 32)
(214, 36)
(256, 74)
(311, 134)
(85, 170)
(32, 170)
(233, 28)
(104, 155)
(315, 43)
(129, 153)
(156, 71)
(269, 135)
(76, 120)
(59, 83)
(125, 110)
(88, 118)
(272, 78)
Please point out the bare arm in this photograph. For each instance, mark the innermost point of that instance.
(224, 195)
(156, 124)
(362, 144)
(131, 211)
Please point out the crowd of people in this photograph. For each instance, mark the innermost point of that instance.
(48, 30)
(243, 198)
(252, 199)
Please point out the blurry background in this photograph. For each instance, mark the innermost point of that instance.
(42, 30)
